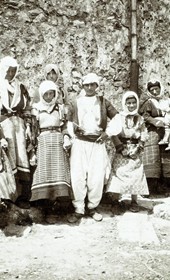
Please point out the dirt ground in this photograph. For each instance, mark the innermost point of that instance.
(86, 251)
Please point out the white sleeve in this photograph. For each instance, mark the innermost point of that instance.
(114, 126)
(70, 129)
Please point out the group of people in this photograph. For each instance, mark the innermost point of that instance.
(52, 151)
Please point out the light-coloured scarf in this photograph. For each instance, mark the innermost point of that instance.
(49, 68)
(42, 105)
(125, 111)
(13, 86)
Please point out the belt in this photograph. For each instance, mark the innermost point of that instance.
(88, 138)
(50, 128)
(129, 140)
(8, 115)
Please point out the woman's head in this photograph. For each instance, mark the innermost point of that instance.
(154, 88)
(130, 102)
(90, 83)
(8, 68)
(51, 72)
(48, 92)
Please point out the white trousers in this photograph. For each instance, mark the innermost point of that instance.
(90, 169)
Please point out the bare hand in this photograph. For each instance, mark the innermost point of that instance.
(28, 132)
(102, 138)
(4, 143)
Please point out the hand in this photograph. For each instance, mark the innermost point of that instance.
(4, 143)
(133, 153)
(102, 138)
(33, 160)
(28, 132)
(67, 143)
(159, 124)
(166, 121)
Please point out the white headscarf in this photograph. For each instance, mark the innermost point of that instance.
(43, 88)
(129, 94)
(90, 78)
(13, 86)
(49, 68)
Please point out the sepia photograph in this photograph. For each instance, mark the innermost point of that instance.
(84, 139)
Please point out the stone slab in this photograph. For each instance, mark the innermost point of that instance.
(136, 227)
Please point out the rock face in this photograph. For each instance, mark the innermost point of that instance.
(83, 36)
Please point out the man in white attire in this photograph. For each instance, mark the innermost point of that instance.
(89, 162)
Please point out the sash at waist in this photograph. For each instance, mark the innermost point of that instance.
(50, 128)
(89, 138)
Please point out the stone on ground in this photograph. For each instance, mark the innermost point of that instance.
(136, 227)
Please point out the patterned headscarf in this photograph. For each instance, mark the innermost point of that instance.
(151, 84)
(156, 100)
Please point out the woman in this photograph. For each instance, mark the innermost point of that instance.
(52, 73)
(15, 122)
(7, 181)
(127, 172)
(155, 162)
(51, 179)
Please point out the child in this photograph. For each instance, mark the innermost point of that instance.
(164, 105)
(51, 178)
(128, 174)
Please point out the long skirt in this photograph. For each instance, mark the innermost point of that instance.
(52, 177)
(165, 161)
(152, 157)
(7, 180)
(14, 131)
(128, 176)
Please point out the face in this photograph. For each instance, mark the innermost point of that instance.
(52, 76)
(131, 104)
(155, 90)
(49, 95)
(10, 73)
(90, 89)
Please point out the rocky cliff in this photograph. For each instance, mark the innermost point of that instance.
(87, 35)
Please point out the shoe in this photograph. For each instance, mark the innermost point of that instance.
(95, 216)
(23, 204)
(134, 207)
(3, 206)
(74, 218)
(167, 149)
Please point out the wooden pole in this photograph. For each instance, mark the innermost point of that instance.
(134, 71)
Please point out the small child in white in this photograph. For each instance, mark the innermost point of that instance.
(165, 108)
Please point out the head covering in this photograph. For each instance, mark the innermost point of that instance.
(5, 63)
(43, 88)
(153, 83)
(129, 94)
(90, 78)
(49, 68)
(13, 86)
